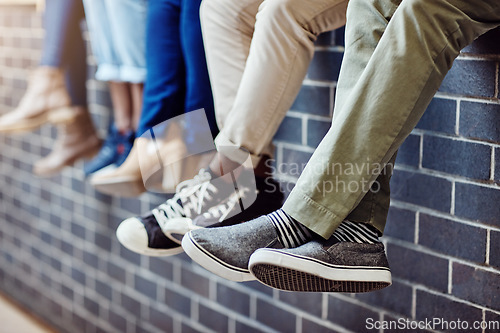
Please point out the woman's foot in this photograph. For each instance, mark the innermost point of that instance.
(46, 101)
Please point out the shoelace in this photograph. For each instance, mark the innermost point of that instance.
(221, 211)
(196, 190)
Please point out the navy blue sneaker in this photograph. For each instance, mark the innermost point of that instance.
(114, 151)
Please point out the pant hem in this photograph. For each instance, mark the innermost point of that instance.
(312, 215)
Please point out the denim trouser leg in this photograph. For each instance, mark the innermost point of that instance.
(281, 48)
(177, 79)
(63, 45)
(198, 89)
(381, 98)
(117, 33)
(127, 20)
(164, 91)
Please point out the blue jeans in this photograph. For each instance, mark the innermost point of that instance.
(117, 35)
(177, 77)
(63, 45)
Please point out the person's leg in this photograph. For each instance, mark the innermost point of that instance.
(144, 234)
(47, 98)
(121, 98)
(281, 49)
(163, 98)
(120, 136)
(164, 91)
(370, 122)
(128, 30)
(63, 45)
(423, 35)
(227, 28)
(137, 94)
(127, 23)
(391, 98)
(64, 50)
(198, 90)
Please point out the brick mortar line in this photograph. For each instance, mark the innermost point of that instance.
(419, 209)
(332, 48)
(492, 165)
(447, 176)
(20, 32)
(453, 198)
(307, 116)
(477, 99)
(478, 57)
(303, 129)
(285, 178)
(454, 137)
(65, 234)
(488, 245)
(373, 308)
(422, 249)
(49, 293)
(319, 83)
(496, 80)
(293, 146)
(457, 117)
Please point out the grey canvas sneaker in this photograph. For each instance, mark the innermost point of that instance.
(225, 251)
(199, 203)
(323, 266)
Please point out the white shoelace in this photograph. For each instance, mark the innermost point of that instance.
(221, 211)
(189, 197)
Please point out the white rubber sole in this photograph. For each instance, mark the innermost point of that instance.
(292, 272)
(212, 263)
(135, 238)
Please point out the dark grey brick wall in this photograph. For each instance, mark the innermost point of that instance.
(59, 257)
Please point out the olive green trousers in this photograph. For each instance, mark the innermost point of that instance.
(397, 54)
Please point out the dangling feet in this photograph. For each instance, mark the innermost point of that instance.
(45, 100)
(75, 140)
(157, 165)
(114, 151)
(226, 251)
(282, 253)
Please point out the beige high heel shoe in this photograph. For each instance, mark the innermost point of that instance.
(45, 100)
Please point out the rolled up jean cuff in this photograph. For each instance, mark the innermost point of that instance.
(110, 72)
(237, 153)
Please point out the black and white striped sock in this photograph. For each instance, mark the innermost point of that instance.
(290, 232)
(356, 232)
